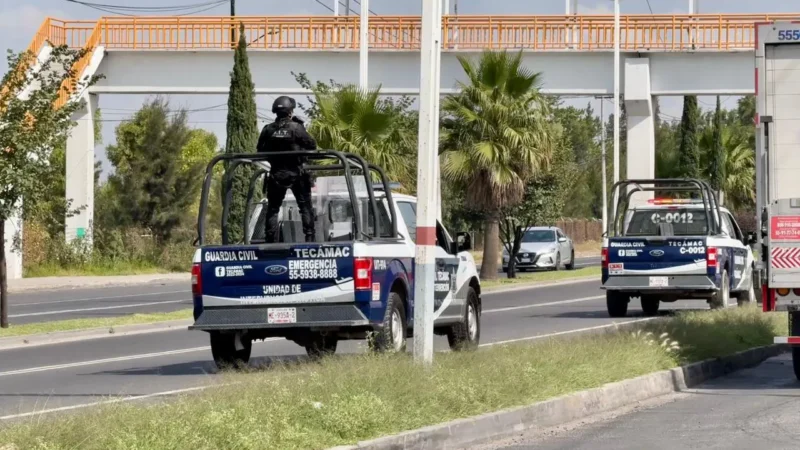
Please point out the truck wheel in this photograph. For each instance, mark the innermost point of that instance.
(391, 337)
(722, 297)
(571, 265)
(617, 303)
(467, 334)
(650, 304)
(319, 346)
(223, 350)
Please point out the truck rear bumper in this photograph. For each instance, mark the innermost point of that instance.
(675, 284)
(306, 316)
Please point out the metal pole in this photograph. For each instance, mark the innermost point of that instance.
(603, 156)
(346, 7)
(233, 25)
(616, 91)
(437, 79)
(363, 46)
(335, 7)
(426, 183)
(446, 7)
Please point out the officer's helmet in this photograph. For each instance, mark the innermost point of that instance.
(283, 106)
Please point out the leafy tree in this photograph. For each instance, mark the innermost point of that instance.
(545, 198)
(582, 129)
(242, 131)
(688, 153)
(152, 186)
(201, 146)
(716, 163)
(496, 135)
(383, 131)
(30, 126)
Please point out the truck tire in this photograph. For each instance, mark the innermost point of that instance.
(722, 297)
(617, 303)
(467, 334)
(223, 350)
(650, 305)
(319, 346)
(571, 265)
(391, 336)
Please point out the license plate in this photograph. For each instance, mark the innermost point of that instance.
(525, 260)
(281, 315)
(659, 281)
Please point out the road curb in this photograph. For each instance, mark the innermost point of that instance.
(568, 408)
(48, 284)
(60, 337)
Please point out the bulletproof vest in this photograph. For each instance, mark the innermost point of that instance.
(281, 138)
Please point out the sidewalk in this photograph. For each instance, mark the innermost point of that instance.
(55, 283)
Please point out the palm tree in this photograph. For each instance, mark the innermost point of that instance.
(496, 135)
(351, 120)
(739, 171)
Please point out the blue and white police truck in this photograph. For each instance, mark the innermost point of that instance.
(674, 248)
(356, 281)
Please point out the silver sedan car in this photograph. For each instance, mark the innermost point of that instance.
(543, 248)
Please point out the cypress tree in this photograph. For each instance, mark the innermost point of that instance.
(688, 152)
(242, 133)
(717, 159)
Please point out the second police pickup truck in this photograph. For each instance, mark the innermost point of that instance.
(671, 249)
(356, 281)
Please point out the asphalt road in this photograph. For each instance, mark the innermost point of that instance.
(118, 301)
(74, 374)
(756, 408)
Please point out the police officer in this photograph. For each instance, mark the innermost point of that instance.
(287, 133)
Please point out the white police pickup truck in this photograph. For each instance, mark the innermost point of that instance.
(355, 282)
(673, 249)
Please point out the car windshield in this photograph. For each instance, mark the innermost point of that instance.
(668, 222)
(539, 236)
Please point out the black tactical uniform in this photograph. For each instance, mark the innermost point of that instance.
(287, 133)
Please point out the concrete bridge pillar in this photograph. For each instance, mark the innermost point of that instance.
(80, 171)
(641, 148)
(13, 229)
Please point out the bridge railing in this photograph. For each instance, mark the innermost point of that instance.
(716, 32)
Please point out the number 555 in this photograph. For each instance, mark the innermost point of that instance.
(788, 35)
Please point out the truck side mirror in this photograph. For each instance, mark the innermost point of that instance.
(463, 242)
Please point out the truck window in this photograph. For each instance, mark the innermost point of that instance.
(409, 212)
(384, 222)
(729, 224)
(678, 221)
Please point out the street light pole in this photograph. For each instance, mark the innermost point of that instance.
(616, 91)
(363, 46)
(233, 25)
(604, 161)
(427, 174)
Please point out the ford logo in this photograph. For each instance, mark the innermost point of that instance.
(656, 253)
(275, 270)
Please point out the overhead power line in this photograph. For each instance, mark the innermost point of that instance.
(187, 9)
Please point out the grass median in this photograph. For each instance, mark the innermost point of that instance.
(540, 277)
(346, 398)
(108, 323)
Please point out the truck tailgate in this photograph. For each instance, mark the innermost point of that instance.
(277, 274)
(657, 256)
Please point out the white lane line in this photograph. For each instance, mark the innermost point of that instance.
(108, 297)
(112, 360)
(561, 333)
(97, 308)
(105, 402)
(539, 305)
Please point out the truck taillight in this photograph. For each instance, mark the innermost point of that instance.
(363, 274)
(604, 257)
(197, 280)
(711, 257)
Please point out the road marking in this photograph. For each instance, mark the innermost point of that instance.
(98, 308)
(105, 402)
(73, 300)
(542, 285)
(539, 305)
(561, 333)
(111, 360)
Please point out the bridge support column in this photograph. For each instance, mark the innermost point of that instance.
(641, 143)
(13, 230)
(80, 172)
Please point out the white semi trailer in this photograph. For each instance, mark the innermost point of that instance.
(777, 84)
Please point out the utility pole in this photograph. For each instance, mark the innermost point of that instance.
(346, 7)
(363, 46)
(427, 174)
(336, 8)
(616, 91)
(233, 24)
(603, 156)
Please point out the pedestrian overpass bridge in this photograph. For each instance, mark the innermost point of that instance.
(660, 55)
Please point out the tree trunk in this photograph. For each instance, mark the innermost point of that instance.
(3, 275)
(512, 255)
(491, 248)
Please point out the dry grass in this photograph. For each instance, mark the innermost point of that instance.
(345, 399)
(93, 323)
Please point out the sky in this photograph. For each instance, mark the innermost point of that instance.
(19, 20)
